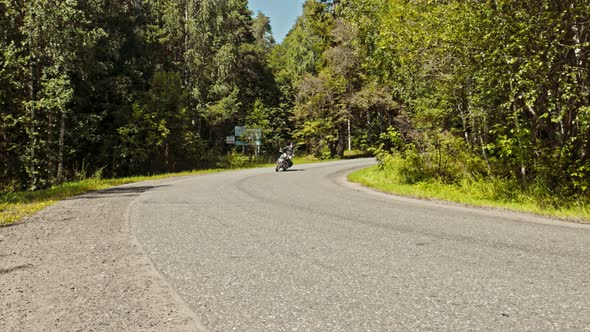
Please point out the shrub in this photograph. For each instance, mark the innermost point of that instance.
(236, 160)
(433, 155)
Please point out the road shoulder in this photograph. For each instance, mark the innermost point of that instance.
(77, 266)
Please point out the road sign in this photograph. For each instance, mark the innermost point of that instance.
(238, 130)
(246, 136)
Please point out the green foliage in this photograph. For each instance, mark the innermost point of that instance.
(263, 32)
(434, 155)
(486, 192)
(143, 88)
(391, 143)
(316, 137)
(302, 50)
(236, 160)
(274, 123)
(223, 110)
(468, 89)
(507, 77)
(442, 156)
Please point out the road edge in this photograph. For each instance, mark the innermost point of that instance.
(186, 309)
(341, 178)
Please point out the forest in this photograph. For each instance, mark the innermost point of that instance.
(441, 89)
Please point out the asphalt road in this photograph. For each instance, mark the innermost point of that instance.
(256, 250)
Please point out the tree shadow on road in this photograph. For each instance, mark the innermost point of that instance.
(8, 225)
(14, 268)
(126, 191)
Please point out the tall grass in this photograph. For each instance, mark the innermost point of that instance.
(485, 192)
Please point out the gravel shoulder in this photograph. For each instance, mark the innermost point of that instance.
(76, 266)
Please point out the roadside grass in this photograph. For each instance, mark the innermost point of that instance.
(479, 192)
(297, 160)
(14, 206)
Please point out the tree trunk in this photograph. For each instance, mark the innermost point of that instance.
(4, 155)
(50, 143)
(341, 144)
(463, 115)
(186, 40)
(349, 136)
(32, 132)
(483, 152)
(60, 158)
(33, 177)
(166, 157)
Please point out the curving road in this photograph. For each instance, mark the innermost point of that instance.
(303, 250)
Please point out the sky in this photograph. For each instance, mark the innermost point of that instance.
(282, 13)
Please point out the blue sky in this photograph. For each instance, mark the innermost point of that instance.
(282, 13)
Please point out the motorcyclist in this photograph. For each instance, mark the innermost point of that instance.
(289, 151)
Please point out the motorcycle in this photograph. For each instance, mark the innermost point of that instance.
(284, 162)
